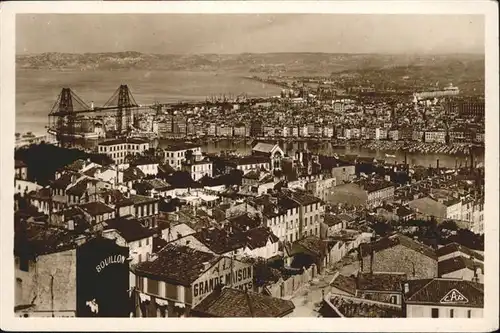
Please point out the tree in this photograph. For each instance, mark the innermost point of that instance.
(381, 228)
(450, 225)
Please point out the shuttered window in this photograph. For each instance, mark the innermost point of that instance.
(152, 287)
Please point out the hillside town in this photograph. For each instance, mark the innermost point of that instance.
(202, 164)
(178, 232)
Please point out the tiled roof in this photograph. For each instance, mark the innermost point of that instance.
(42, 194)
(133, 173)
(115, 197)
(377, 186)
(394, 240)
(252, 175)
(351, 307)
(92, 171)
(220, 241)
(243, 222)
(263, 147)
(380, 281)
(403, 211)
(258, 237)
(457, 263)
(313, 244)
(231, 302)
(141, 199)
(143, 160)
(62, 182)
(156, 184)
(76, 165)
(455, 247)
(96, 208)
(304, 198)
(331, 220)
(178, 265)
(79, 188)
(129, 228)
(37, 239)
(246, 160)
(433, 292)
(345, 283)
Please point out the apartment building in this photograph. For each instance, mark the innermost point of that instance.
(176, 154)
(119, 149)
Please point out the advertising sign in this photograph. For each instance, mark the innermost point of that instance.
(220, 274)
(102, 279)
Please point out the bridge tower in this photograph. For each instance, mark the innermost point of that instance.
(124, 102)
(63, 116)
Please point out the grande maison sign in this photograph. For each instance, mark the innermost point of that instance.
(114, 259)
(235, 274)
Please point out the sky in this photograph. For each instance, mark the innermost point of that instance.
(249, 33)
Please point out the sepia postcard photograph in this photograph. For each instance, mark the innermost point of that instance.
(182, 165)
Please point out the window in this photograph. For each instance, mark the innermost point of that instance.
(394, 299)
(152, 286)
(469, 313)
(451, 313)
(139, 283)
(435, 313)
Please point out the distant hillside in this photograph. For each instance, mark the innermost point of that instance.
(268, 63)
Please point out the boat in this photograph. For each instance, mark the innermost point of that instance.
(391, 156)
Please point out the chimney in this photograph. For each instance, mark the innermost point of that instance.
(437, 164)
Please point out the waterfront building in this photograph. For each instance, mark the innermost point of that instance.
(256, 128)
(269, 131)
(447, 91)
(239, 130)
(435, 136)
(273, 152)
(393, 135)
(471, 108)
(224, 130)
(212, 130)
(119, 149)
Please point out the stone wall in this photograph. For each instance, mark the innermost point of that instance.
(49, 283)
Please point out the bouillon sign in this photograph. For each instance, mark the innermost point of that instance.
(114, 259)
